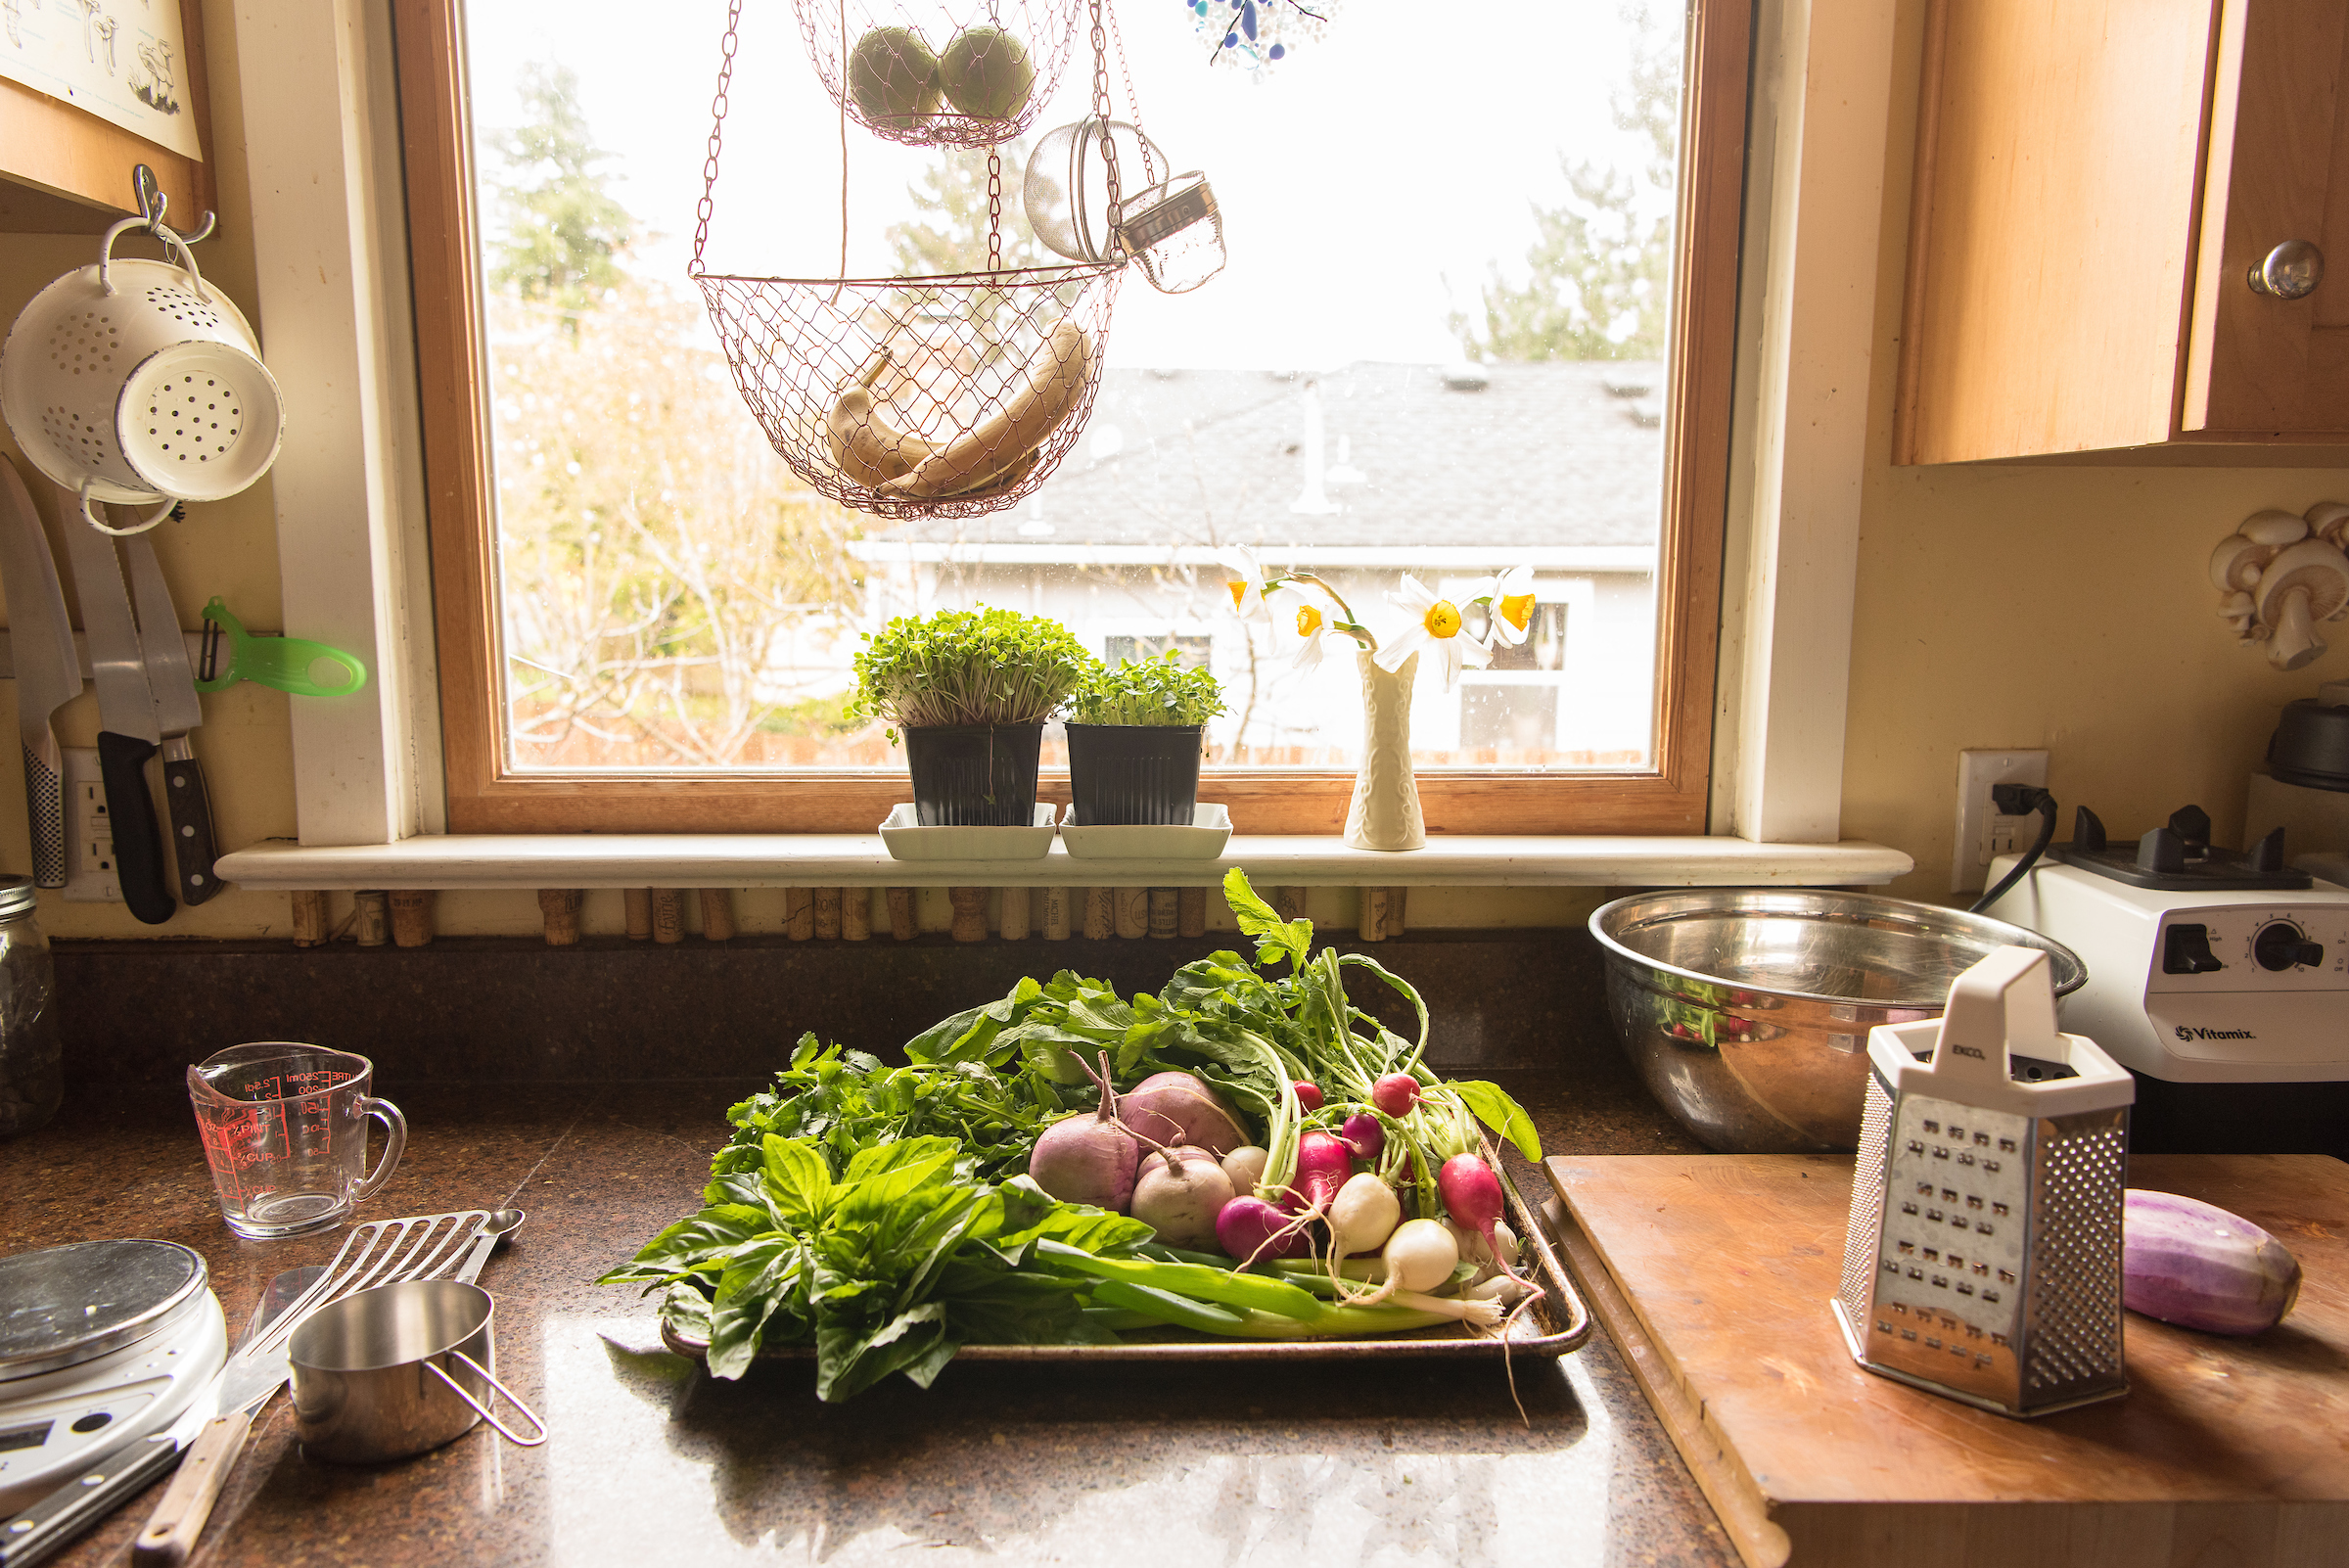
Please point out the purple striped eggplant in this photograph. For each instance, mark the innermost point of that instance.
(2192, 1263)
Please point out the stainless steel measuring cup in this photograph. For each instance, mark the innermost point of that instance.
(392, 1371)
(285, 1130)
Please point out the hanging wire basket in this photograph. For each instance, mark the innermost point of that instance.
(937, 397)
(968, 75)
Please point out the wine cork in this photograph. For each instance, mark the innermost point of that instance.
(559, 913)
(1190, 919)
(412, 917)
(717, 913)
(827, 914)
(1397, 898)
(799, 913)
(900, 914)
(1014, 903)
(1100, 913)
(1381, 914)
(970, 914)
(1132, 911)
(309, 919)
(1162, 917)
(668, 915)
(640, 914)
(1289, 903)
(1056, 912)
(855, 915)
(370, 919)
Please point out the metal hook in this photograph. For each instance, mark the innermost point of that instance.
(147, 195)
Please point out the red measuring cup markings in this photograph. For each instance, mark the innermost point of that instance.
(284, 1127)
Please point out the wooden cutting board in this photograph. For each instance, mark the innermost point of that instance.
(1713, 1272)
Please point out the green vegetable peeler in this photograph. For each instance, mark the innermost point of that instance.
(285, 663)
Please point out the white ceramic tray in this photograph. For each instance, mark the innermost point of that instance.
(1203, 840)
(909, 840)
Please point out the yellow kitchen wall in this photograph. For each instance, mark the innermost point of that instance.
(2063, 608)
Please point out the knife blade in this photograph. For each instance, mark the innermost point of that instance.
(48, 675)
(128, 731)
(257, 1370)
(177, 709)
(60, 1518)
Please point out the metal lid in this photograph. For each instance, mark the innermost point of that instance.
(62, 1305)
(17, 895)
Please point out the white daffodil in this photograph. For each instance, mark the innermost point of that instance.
(1511, 598)
(1306, 620)
(1436, 629)
(1247, 588)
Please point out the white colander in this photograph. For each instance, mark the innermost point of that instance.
(134, 383)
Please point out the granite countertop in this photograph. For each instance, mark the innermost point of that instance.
(652, 1462)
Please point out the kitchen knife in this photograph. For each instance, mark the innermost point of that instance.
(61, 1517)
(128, 730)
(177, 711)
(48, 675)
(257, 1370)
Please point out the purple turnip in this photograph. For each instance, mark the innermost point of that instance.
(1179, 1194)
(1249, 1228)
(2194, 1264)
(1175, 1108)
(1088, 1159)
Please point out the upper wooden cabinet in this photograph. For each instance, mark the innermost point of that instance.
(63, 171)
(2096, 181)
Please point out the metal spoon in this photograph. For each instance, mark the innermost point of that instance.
(485, 1241)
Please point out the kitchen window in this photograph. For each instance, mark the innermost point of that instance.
(644, 620)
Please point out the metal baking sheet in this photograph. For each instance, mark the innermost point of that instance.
(1556, 1324)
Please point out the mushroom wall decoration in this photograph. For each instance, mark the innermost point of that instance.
(2282, 574)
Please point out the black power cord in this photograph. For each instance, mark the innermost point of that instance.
(2013, 800)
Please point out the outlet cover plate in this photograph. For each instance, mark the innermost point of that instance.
(1984, 832)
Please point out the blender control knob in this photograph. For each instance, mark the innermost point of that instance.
(2284, 945)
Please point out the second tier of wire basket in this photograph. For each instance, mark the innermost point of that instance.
(923, 397)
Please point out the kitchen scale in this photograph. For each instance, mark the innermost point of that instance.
(2205, 965)
(101, 1343)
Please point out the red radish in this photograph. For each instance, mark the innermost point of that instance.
(1308, 1095)
(1179, 1194)
(1323, 1163)
(1363, 1135)
(1247, 1229)
(1088, 1159)
(1471, 1193)
(1177, 1108)
(1396, 1093)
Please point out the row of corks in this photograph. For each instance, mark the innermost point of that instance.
(404, 917)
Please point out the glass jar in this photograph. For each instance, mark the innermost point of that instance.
(31, 1062)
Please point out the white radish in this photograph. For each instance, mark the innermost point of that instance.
(1363, 1215)
(1246, 1168)
(1473, 1249)
(1420, 1255)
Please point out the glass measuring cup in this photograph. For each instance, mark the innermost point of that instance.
(285, 1130)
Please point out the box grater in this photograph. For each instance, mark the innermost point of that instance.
(1983, 1259)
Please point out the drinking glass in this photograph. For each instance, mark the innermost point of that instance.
(285, 1129)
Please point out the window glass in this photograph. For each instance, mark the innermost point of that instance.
(1437, 349)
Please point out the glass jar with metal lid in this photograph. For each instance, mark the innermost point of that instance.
(32, 1068)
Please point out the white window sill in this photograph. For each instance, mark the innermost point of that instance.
(824, 860)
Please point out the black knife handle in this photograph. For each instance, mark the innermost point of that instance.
(192, 844)
(45, 808)
(138, 840)
(59, 1518)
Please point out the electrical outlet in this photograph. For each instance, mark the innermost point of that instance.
(1984, 832)
(90, 876)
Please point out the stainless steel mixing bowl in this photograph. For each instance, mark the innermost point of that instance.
(1746, 1011)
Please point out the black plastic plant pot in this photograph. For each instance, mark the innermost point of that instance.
(1135, 773)
(974, 775)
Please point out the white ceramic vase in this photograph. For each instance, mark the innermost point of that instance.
(1385, 811)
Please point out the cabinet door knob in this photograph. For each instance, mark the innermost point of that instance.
(2291, 272)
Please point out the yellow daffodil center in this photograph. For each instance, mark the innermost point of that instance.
(1309, 620)
(1239, 592)
(1517, 608)
(1442, 619)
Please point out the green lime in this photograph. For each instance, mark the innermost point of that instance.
(987, 73)
(893, 75)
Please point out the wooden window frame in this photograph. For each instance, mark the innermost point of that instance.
(483, 796)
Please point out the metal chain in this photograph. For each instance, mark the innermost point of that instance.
(1134, 104)
(717, 125)
(1109, 142)
(995, 210)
